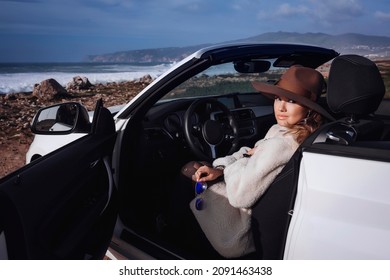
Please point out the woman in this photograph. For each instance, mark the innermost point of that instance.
(226, 191)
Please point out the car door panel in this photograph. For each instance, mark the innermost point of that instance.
(55, 207)
(339, 214)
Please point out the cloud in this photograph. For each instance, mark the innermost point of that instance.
(284, 11)
(287, 10)
(336, 10)
(322, 11)
(382, 16)
(243, 5)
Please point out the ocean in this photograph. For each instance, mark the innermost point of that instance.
(21, 77)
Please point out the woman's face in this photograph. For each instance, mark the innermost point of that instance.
(288, 112)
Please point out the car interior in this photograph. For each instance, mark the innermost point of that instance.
(162, 150)
(162, 139)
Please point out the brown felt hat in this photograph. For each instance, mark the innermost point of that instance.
(301, 84)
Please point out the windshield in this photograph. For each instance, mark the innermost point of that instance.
(222, 79)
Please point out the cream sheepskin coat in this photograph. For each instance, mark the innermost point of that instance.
(226, 214)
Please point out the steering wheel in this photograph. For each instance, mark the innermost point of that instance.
(209, 138)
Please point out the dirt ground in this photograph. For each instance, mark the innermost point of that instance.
(13, 152)
(17, 111)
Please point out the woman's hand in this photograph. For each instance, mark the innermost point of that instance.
(206, 173)
(251, 151)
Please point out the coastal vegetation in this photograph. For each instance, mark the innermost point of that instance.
(384, 68)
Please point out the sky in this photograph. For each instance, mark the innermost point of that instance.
(70, 30)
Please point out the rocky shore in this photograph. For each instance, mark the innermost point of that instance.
(18, 109)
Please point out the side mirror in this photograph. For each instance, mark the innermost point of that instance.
(62, 118)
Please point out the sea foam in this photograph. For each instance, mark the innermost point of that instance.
(22, 78)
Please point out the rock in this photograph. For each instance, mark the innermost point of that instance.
(146, 79)
(79, 83)
(49, 89)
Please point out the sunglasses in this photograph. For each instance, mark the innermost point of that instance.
(199, 188)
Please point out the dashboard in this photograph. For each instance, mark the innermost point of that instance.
(165, 121)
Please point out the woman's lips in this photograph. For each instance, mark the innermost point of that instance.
(282, 117)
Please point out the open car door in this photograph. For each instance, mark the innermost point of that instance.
(62, 206)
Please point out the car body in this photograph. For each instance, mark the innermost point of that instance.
(111, 188)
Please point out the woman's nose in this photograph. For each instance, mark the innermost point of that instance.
(282, 106)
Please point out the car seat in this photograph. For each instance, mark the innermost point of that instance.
(355, 89)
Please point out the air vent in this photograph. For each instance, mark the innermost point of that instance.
(243, 114)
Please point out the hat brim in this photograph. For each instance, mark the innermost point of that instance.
(270, 91)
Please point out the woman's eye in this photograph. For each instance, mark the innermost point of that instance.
(277, 98)
(291, 101)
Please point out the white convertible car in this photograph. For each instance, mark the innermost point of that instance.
(111, 188)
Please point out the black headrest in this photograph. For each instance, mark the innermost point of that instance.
(355, 85)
